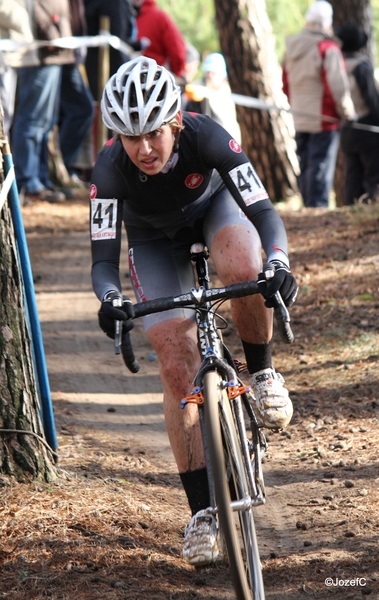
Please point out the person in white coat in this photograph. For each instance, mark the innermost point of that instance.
(15, 25)
(213, 97)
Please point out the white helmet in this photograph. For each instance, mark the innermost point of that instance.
(140, 97)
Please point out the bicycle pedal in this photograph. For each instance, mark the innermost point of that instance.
(240, 366)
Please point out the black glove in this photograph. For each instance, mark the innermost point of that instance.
(282, 281)
(110, 312)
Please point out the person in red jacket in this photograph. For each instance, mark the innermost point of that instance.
(167, 45)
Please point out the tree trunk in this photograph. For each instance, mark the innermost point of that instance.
(23, 456)
(248, 46)
(350, 11)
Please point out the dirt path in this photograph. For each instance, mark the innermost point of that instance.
(86, 377)
(320, 519)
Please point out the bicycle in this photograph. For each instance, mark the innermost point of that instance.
(233, 461)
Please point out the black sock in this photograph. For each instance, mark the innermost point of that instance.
(258, 356)
(195, 485)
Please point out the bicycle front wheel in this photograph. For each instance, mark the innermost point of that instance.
(229, 471)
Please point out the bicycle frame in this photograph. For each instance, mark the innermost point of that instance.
(216, 356)
(235, 485)
(234, 463)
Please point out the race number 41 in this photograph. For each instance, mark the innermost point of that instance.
(248, 184)
(103, 219)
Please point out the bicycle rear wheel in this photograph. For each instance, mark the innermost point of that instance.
(227, 466)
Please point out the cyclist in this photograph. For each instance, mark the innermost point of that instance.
(176, 178)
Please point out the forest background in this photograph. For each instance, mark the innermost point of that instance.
(196, 21)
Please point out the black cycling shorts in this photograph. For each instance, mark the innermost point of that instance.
(159, 247)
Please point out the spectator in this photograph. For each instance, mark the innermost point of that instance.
(316, 83)
(76, 102)
(167, 45)
(216, 101)
(190, 69)
(192, 63)
(122, 24)
(38, 92)
(15, 24)
(360, 148)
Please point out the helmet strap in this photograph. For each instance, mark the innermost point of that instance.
(175, 148)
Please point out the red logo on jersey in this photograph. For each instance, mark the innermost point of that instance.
(235, 146)
(109, 142)
(193, 181)
(93, 191)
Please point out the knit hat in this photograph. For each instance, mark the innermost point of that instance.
(215, 62)
(353, 38)
(320, 12)
(192, 53)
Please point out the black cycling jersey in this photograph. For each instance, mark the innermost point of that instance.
(204, 147)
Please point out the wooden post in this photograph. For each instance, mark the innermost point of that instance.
(102, 132)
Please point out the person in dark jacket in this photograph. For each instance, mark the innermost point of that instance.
(76, 102)
(122, 24)
(360, 148)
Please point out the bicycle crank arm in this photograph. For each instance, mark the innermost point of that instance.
(246, 503)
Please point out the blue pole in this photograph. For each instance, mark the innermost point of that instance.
(36, 334)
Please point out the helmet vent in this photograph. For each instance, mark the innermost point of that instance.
(141, 97)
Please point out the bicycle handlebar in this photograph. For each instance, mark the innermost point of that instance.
(283, 320)
(197, 298)
(128, 354)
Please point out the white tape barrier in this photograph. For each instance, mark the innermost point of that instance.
(6, 186)
(201, 91)
(256, 103)
(105, 38)
(73, 42)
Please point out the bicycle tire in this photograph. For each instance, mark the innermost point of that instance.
(222, 437)
(236, 463)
